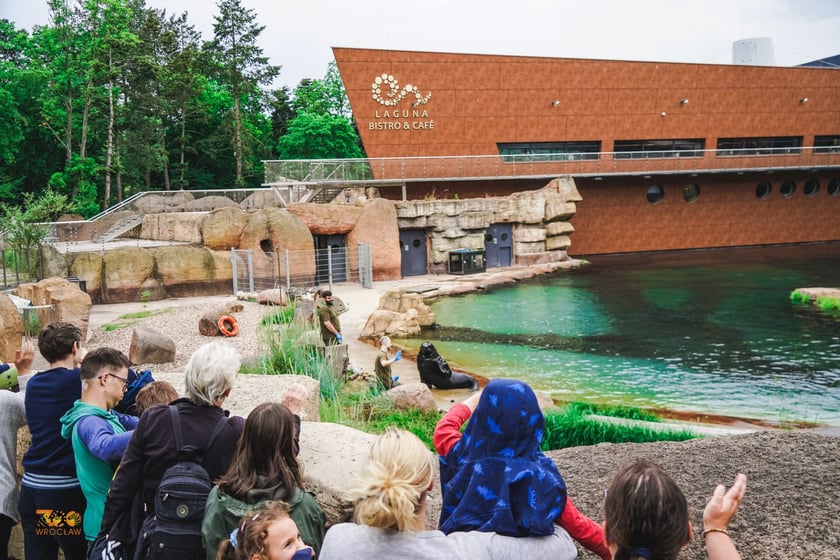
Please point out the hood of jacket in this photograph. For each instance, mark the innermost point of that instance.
(80, 410)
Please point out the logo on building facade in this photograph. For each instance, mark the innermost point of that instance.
(394, 94)
(386, 91)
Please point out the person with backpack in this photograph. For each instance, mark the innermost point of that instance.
(193, 434)
(98, 434)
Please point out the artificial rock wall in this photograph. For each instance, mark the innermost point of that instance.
(540, 219)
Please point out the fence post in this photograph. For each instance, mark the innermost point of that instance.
(251, 270)
(365, 266)
(329, 267)
(235, 273)
(288, 275)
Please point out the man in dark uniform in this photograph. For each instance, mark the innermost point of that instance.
(330, 326)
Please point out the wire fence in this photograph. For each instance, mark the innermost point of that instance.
(254, 271)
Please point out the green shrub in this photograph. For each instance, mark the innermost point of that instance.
(828, 303)
(799, 297)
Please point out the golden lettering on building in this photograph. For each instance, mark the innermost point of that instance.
(386, 91)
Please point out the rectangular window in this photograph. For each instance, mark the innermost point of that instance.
(549, 151)
(778, 145)
(827, 144)
(643, 149)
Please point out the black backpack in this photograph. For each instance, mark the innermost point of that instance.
(174, 531)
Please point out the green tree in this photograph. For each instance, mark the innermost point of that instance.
(313, 136)
(281, 113)
(241, 67)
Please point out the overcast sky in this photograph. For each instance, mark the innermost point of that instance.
(299, 33)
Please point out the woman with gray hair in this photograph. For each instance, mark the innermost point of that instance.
(208, 380)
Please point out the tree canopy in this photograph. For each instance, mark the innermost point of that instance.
(113, 98)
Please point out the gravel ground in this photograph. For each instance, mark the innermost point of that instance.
(179, 321)
(791, 509)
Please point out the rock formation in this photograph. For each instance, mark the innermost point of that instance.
(70, 304)
(11, 329)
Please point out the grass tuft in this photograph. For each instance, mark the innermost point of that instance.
(570, 427)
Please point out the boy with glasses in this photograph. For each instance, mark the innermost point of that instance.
(99, 434)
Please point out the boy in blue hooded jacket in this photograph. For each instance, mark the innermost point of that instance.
(99, 434)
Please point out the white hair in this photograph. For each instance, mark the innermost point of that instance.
(211, 372)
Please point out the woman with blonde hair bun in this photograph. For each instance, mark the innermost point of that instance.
(390, 515)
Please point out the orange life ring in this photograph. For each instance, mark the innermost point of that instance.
(228, 325)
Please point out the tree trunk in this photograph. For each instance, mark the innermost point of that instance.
(182, 148)
(237, 138)
(166, 184)
(109, 145)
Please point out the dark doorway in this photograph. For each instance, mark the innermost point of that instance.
(498, 245)
(330, 251)
(413, 249)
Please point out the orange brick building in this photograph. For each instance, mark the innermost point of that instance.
(665, 155)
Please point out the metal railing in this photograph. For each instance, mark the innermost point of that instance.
(408, 169)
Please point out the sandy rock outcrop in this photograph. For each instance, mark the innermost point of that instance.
(128, 272)
(51, 261)
(185, 270)
(400, 313)
(208, 203)
(182, 226)
(71, 304)
(326, 219)
(222, 229)
(260, 199)
(11, 329)
(88, 267)
(159, 204)
(377, 226)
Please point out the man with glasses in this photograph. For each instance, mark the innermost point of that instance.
(99, 434)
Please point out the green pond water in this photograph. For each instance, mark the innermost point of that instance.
(710, 332)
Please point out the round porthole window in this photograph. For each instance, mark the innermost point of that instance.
(763, 190)
(691, 192)
(416, 243)
(834, 187)
(504, 237)
(488, 238)
(787, 189)
(655, 194)
(811, 188)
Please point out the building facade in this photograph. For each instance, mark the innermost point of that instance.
(665, 156)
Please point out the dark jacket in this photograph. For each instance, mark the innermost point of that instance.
(49, 395)
(152, 450)
(224, 513)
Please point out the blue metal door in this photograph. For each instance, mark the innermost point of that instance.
(498, 245)
(413, 249)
